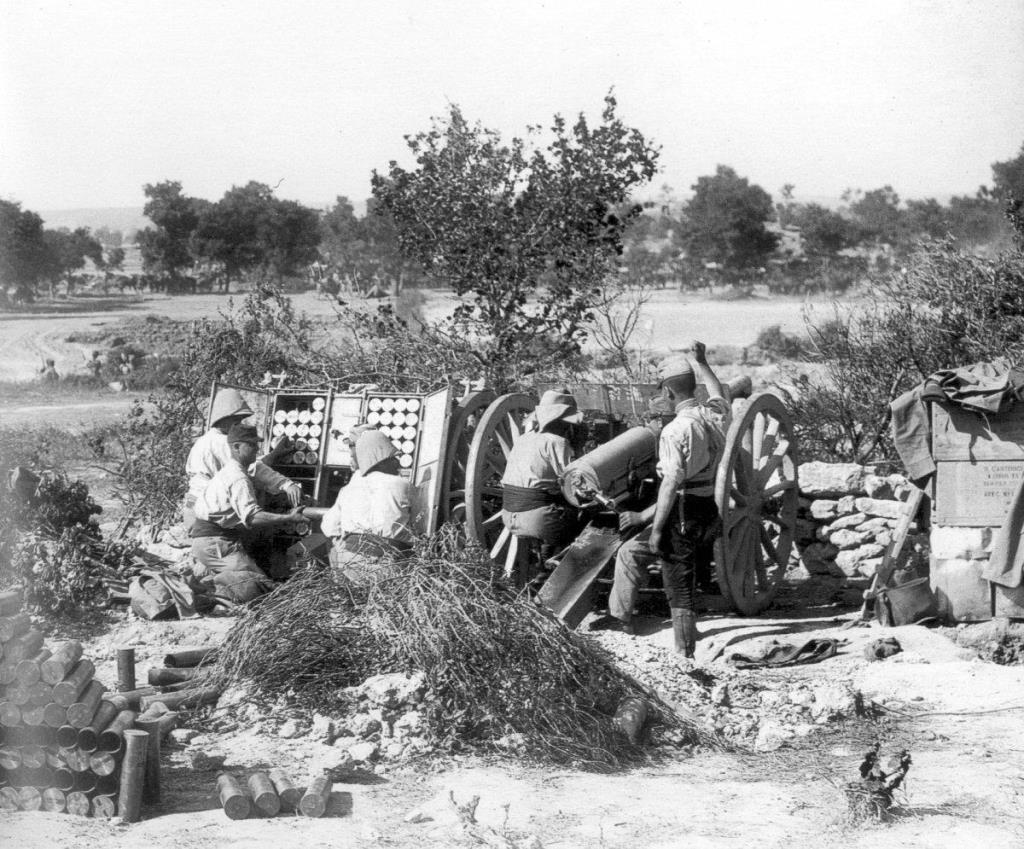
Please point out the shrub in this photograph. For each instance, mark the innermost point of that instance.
(773, 340)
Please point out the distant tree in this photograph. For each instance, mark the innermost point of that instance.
(824, 232)
(68, 250)
(926, 218)
(114, 259)
(502, 222)
(250, 230)
(1008, 178)
(109, 238)
(165, 247)
(724, 221)
(878, 215)
(23, 251)
(977, 220)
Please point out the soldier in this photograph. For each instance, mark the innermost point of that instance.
(532, 500)
(684, 519)
(226, 512)
(211, 452)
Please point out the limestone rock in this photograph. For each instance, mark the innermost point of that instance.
(322, 728)
(878, 487)
(849, 561)
(875, 525)
(359, 725)
(202, 759)
(409, 724)
(846, 505)
(345, 742)
(771, 734)
(879, 507)
(823, 509)
(720, 694)
(290, 729)
(183, 736)
(325, 758)
(833, 701)
(846, 539)
(364, 752)
(394, 689)
(868, 567)
(848, 522)
(831, 480)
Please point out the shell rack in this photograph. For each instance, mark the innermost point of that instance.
(318, 420)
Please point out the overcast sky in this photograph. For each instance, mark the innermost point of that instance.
(97, 98)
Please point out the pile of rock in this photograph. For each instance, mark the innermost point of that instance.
(847, 516)
(384, 721)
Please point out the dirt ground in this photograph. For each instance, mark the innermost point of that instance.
(959, 717)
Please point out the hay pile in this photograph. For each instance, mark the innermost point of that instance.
(496, 664)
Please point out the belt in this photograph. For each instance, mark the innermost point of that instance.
(519, 499)
(205, 528)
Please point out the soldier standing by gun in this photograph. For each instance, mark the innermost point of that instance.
(684, 518)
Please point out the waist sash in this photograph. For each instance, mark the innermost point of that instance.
(519, 499)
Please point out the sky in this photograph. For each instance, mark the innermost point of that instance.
(98, 98)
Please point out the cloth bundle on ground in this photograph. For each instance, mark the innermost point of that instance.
(162, 593)
(786, 654)
(882, 648)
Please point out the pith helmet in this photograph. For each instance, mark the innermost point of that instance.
(674, 366)
(228, 402)
(555, 405)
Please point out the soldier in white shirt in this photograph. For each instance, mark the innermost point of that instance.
(225, 511)
(684, 518)
(370, 518)
(211, 452)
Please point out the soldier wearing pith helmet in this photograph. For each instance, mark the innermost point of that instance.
(684, 518)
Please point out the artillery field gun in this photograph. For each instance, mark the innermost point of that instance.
(454, 451)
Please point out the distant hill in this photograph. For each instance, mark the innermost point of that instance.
(123, 218)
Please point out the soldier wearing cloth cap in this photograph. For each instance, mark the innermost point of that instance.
(532, 500)
(684, 518)
(211, 452)
(225, 511)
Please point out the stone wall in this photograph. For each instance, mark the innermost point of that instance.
(846, 520)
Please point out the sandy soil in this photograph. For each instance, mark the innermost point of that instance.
(936, 699)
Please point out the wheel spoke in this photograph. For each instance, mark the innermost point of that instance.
(773, 463)
(734, 519)
(757, 439)
(781, 486)
(494, 519)
(769, 546)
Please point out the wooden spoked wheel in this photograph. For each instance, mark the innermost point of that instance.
(757, 494)
(499, 428)
(462, 426)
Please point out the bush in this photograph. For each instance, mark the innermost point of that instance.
(496, 663)
(773, 340)
(948, 308)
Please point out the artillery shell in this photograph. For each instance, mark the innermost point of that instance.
(60, 662)
(264, 796)
(126, 669)
(183, 699)
(10, 714)
(107, 785)
(234, 802)
(54, 800)
(85, 782)
(189, 657)
(8, 672)
(110, 707)
(54, 715)
(104, 807)
(103, 763)
(8, 800)
(151, 781)
(66, 693)
(133, 769)
(32, 715)
(110, 737)
(314, 801)
(76, 759)
(287, 792)
(14, 626)
(30, 799)
(38, 735)
(80, 714)
(33, 757)
(64, 779)
(10, 602)
(134, 697)
(55, 758)
(17, 695)
(29, 671)
(40, 693)
(10, 757)
(27, 645)
(78, 803)
(165, 677)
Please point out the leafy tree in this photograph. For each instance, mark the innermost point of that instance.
(724, 222)
(67, 251)
(926, 218)
(506, 222)
(1008, 178)
(249, 229)
(878, 215)
(114, 259)
(165, 247)
(824, 232)
(23, 251)
(109, 238)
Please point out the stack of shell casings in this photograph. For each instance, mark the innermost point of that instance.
(62, 736)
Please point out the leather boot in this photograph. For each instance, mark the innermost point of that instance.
(684, 631)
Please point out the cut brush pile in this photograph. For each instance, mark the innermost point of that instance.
(495, 663)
